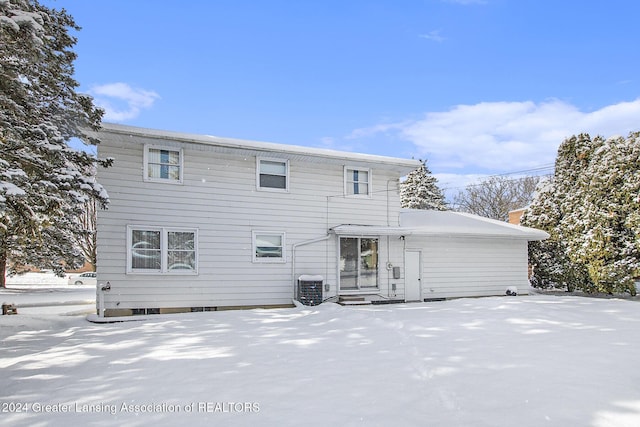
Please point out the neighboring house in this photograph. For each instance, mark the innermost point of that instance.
(516, 215)
(207, 223)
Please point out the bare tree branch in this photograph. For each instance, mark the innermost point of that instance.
(496, 196)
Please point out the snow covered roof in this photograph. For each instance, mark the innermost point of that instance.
(144, 135)
(444, 223)
(458, 223)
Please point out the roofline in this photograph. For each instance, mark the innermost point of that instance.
(233, 143)
(509, 231)
(366, 230)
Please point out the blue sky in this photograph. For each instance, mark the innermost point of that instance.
(476, 87)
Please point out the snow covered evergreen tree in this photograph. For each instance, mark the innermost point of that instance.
(604, 235)
(552, 266)
(591, 208)
(43, 182)
(554, 199)
(420, 191)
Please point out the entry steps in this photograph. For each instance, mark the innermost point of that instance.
(353, 300)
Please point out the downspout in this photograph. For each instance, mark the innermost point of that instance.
(293, 257)
(389, 266)
(388, 207)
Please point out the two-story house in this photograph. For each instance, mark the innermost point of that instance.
(206, 223)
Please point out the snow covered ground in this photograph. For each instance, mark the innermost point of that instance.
(45, 293)
(505, 361)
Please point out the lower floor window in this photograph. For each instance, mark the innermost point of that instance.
(161, 250)
(268, 247)
(358, 263)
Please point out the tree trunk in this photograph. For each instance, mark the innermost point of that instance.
(3, 267)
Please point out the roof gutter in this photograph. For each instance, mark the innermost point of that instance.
(239, 144)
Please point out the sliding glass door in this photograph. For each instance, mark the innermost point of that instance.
(358, 263)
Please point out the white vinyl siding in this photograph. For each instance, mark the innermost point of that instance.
(162, 164)
(357, 182)
(268, 247)
(461, 267)
(272, 174)
(161, 250)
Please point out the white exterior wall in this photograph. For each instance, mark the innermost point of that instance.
(395, 258)
(219, 198)
(463, 266)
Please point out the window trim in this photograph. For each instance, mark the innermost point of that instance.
(369, 182)
(259, 161)
(268, 260)
(164, 250)
(145, 168)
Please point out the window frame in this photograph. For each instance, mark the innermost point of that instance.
(146, 156)
(268, 260)
(164, 250)
(259, 161)
(348, 182)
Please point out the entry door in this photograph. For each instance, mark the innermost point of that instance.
(412, 268)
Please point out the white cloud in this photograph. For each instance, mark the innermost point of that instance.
(499, 137)
(433, 36)
(377, 129)
(122, 102)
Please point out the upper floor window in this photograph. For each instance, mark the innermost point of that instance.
(273, 174)
(357, 181)
(162, 164)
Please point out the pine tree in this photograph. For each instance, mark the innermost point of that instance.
(420, 191)
(604, 239)
(552, 266)
(43, 182)
(551, 258)
(591, 210)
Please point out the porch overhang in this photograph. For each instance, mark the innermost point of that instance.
(369, 230)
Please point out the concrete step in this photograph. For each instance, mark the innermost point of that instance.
(353, 300)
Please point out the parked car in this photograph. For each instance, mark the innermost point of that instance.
(83, 279)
